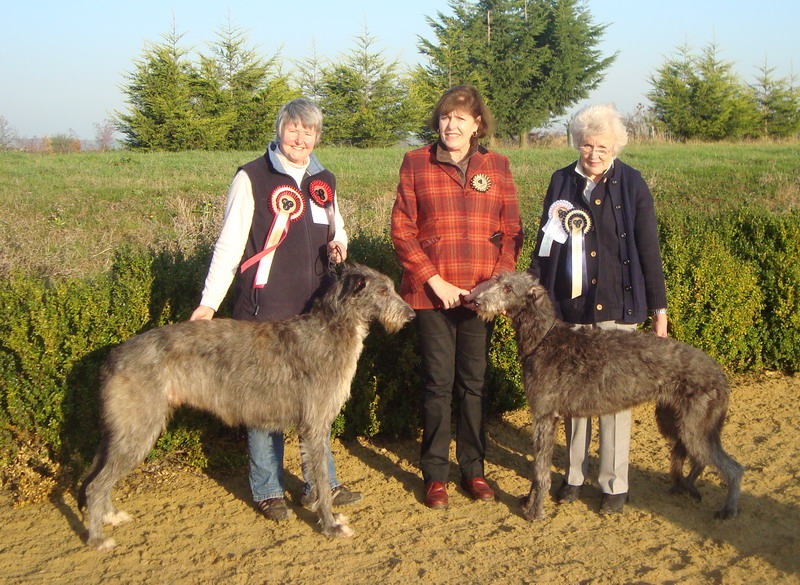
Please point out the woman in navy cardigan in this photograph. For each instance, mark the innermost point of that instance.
(597, 252)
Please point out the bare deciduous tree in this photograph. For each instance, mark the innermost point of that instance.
(7, 135)
(104, 135)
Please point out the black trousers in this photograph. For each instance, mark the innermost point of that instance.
(454, 347)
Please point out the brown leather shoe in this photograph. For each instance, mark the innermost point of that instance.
(436, 495)
(478, 489)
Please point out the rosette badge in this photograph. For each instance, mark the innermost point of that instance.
(288, 205)
(577, 222)
(287, 201)
(481, 183)
(554, 230)
(321, 192)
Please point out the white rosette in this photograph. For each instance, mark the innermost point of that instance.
(576, 223)
(554, 228)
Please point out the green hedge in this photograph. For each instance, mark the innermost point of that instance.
(733, 283)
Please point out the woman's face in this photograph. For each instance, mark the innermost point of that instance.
(456, 130)
(597, 153)
(297, 142)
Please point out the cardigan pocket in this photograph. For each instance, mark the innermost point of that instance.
(429, 242)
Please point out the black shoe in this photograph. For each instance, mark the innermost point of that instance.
(568, 493)
(340, 496)
(344, 497)
(613, 503)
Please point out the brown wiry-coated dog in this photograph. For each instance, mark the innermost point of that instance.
(292, 373)
(584, 372)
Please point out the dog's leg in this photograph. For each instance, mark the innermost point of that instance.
(667, 419)
(681, 484)
(314, 445)
(544, 429)
(731, 471)
(700, 430)
(129, 437)
(99, 508)
(694, 472)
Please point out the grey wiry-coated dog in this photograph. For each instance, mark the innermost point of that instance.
(292, 373)
(568, 372)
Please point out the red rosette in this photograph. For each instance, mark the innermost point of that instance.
(288, 200)
(321, 192)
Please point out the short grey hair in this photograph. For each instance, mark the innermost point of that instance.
(599, 119)
(299, 111)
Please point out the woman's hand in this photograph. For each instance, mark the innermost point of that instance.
(467, 301)
(202, 312)
(449, 294)
(660, 325)
(337, 252)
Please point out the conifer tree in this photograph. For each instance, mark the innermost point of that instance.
(778, 104)
(160, 94)
(364, 98)
(700, 97)
(240, 90)
(531, 59)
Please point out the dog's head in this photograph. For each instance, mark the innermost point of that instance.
(507, 294)
(370, 295)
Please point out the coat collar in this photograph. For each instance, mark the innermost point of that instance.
(314, 166)
(477, 162)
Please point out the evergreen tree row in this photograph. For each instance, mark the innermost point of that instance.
(532, 60)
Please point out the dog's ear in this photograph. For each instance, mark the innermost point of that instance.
(360, 283)
(352, 283)
(537, 292)
(533, 287)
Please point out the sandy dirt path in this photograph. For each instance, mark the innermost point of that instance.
(193, 528)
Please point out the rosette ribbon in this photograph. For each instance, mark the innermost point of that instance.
(287, 205)
(481, 183)
(576, 223)
(321, 192)
(554, 228)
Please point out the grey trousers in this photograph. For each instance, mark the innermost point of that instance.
(615, 439)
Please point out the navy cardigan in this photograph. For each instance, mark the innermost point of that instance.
(632, 219)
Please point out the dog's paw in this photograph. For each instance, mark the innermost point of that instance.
(101, 543)
(531, 515)
(116, 518)
(684, 487)
(725, 513)
(340, 529)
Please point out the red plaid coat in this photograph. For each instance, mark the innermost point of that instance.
(441, 227)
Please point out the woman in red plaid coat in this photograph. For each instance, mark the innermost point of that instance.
(455, 224)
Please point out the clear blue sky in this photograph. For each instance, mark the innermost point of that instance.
(62, 63)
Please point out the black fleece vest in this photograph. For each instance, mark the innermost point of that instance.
(298, 267)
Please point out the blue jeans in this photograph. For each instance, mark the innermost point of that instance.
(266, 465)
